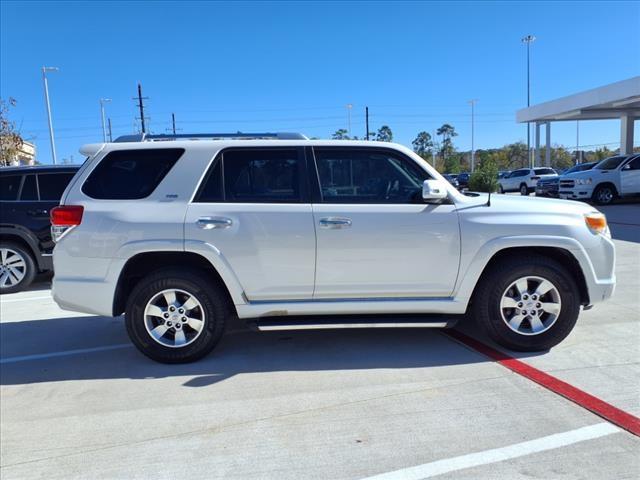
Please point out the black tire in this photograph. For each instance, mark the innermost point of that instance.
(604, 194)
(524, 190)
(494, 282)
(214, 306)
(29, 267)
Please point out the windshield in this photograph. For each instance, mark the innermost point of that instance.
(610, 163)
(580, 168)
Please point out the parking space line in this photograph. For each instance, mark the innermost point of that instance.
(26, 358)
(587, 401)
(495, 455)
(25, 299)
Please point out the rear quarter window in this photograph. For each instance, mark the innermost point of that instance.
(130, 174)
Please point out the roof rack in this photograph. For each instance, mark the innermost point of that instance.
(147, 137)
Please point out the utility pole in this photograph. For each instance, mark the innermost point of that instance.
(349, 107)
(140, 105)
(46, 99)
(473, 152)
(173, 124)
(366, 114)
(528, 40)
(110, 136)
(104, 127)
(578, 159)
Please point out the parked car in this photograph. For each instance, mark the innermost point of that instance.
(463, 180)
(611, 178)
(549, 187)
(27, 194)
(452, 179)
(184, 237)
(524, 180)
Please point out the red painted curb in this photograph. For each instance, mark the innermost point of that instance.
(601, 408)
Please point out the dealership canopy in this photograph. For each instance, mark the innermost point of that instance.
(616, 100)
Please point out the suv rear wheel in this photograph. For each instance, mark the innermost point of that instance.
(176, 316)
(527, 304)
(524, 190)
(17, 268)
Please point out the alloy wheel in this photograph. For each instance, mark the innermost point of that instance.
(605, 195)
(530, 305)
(13, 267)
(174, 318)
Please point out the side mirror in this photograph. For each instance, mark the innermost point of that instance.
(627, 167)
(434, 190)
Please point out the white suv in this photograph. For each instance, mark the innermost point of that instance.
(185, 236)
(524, 180)
(613, 177)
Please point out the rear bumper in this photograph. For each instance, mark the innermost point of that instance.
(85, 284)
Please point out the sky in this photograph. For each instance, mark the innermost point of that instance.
(295, 66)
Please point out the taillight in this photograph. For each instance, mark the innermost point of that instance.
(66, 215)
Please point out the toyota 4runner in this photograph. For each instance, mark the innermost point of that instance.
(186, 236)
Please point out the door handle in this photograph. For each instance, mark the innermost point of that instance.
(335, 222)
(208, 223)
(37, 212)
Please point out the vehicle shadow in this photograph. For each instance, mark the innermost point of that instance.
(239, 352)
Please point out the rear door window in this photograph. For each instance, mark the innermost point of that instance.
(262, 175)
(29, 190)
(130, 174)
(52, 185)
(9, 186)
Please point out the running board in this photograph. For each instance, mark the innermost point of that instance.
(352, 321)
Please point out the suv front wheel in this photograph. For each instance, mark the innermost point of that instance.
(527, 304)
(176, 316)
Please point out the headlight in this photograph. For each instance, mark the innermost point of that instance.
(597, 223)
(583, 181)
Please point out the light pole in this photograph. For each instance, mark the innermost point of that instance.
(104, 125)
(46, 99)
(528, 40)
(473, 152)
(349, 107)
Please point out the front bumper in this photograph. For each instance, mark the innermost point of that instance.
(579, 192)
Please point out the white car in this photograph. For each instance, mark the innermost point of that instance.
(187, 236)
(613, 177)
(524, 180)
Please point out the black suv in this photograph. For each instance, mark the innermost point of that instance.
(27, 194)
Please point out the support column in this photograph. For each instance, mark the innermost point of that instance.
(547, 153)
(626, 134)
(536, 153)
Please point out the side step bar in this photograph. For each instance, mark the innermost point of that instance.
(352, 321)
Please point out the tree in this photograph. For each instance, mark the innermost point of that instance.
(446, 147)
(452, 164)
(602, 153)
(485, 178)
(340, 134)
(422, 144)
(384, 134)
(10, 140)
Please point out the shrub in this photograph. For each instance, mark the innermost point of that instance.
(485, 178)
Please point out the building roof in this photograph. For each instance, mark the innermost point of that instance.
(606, 102)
